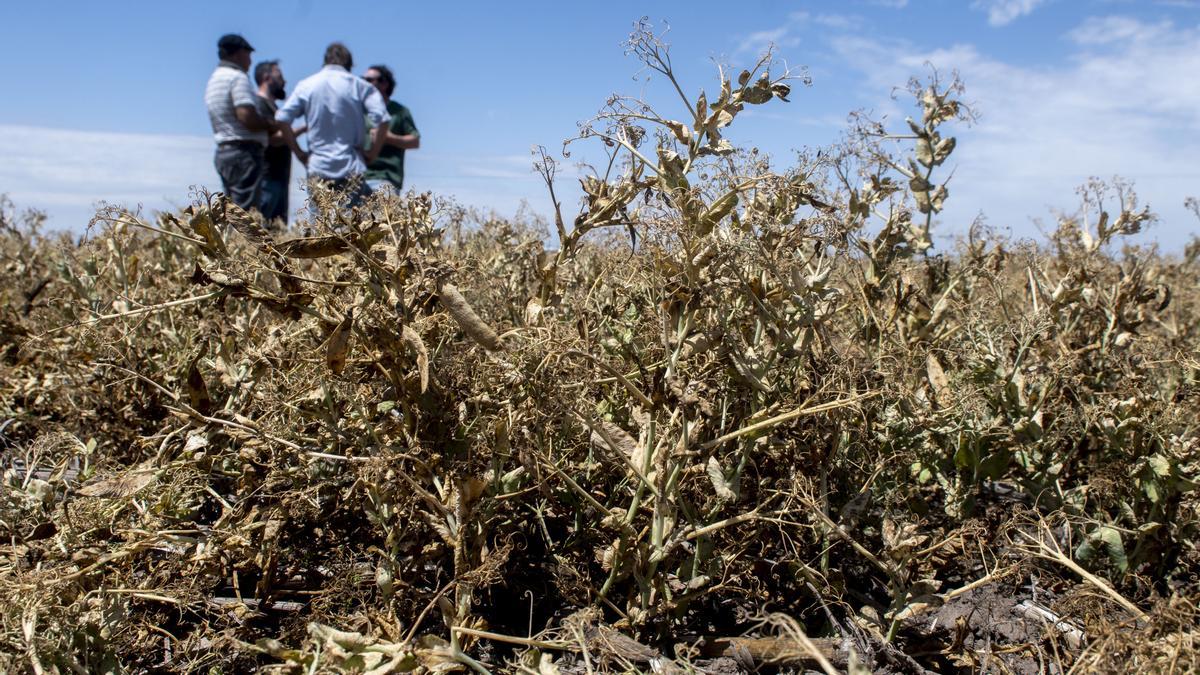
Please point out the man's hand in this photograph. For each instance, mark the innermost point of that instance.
(289, 137)
(378, 139)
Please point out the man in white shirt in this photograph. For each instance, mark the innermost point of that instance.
(336, 106)
(240, 132)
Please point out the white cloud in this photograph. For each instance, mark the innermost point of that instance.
(758, 41)
(67, 172)
(1004, 12)
(1116, 107)
(788, 34)
(1110, 29)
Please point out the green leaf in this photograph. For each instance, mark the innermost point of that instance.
(1161, 466)
(965, 456)
(995, 464)
(1108, 539)
(1150, 488)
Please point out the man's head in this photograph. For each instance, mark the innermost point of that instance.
(337, 54)
(235, 49)
(381, 76)
(268, 73)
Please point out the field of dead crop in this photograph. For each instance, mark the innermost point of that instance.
(738, 418)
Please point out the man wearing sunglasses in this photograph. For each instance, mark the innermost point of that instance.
(387, 171)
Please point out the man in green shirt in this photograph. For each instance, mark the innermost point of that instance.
(387, 172)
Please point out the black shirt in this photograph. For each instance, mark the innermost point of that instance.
(279, 157)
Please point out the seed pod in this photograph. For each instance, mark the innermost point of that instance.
(323, 247)
(456, 305)
(119, 487)
(697, 343)
(198, 396)
(337, 348)
(705, 256)
(242, 221)
(415, 343)
(312, 247)
(716, 211)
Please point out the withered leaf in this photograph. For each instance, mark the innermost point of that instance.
(723, 487)
(202, 224)
(607, 434)
(938, 384)
(121, 486)
(681, 131)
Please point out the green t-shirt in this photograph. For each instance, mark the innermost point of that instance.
(390, 164)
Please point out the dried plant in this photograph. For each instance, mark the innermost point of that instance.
(408, 436)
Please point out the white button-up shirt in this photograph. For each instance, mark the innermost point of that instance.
(335, 106)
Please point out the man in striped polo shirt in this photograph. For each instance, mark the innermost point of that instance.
(240, 132)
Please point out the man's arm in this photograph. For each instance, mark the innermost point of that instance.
(404, 141)
(378, 138)
(245, 106)
(408, 138)
(289, 137)
(292, 108)
(249, 117)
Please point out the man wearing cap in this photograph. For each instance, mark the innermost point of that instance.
(336, 107)
(240, 131)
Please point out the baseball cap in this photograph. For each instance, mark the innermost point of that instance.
(232, 42)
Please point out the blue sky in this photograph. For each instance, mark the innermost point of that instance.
(104, 100)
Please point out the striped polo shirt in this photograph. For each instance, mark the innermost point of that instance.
(228, 89)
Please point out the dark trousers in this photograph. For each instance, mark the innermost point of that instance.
(275, 199)
(240, 166)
